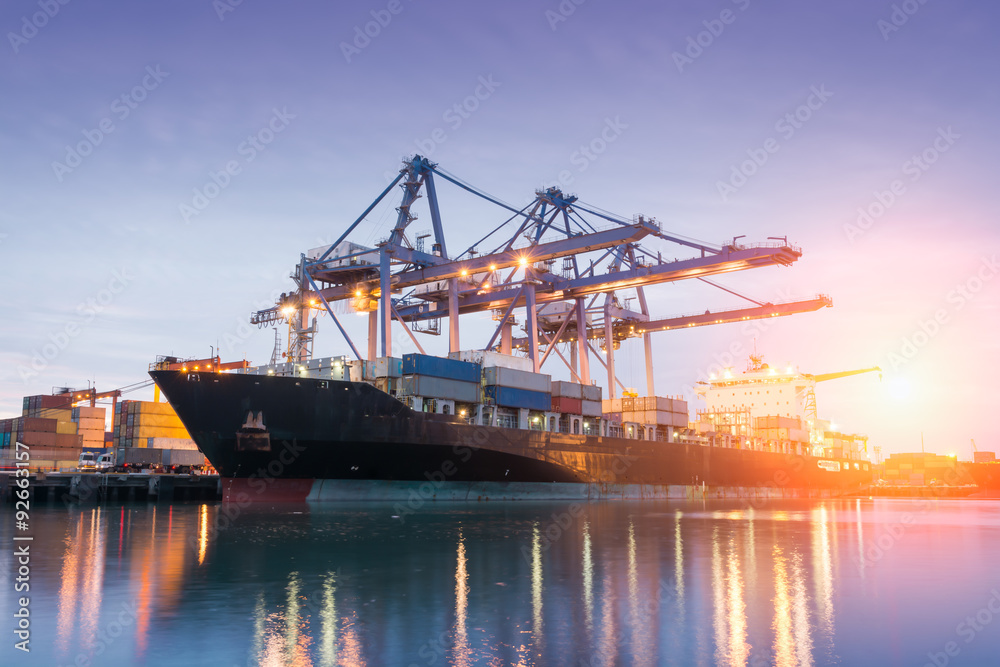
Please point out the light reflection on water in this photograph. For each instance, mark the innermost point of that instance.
(654, 583)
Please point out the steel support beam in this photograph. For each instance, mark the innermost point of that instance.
(609, 345)
(372, 334)
(385, 301)
(531, 323)
(453, 342)
(581, 341)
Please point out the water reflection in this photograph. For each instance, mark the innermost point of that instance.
(640, 584)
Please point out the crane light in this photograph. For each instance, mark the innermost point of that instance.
(357, 294)
(493, 267)
(523, 261)
(288, 311)
(465, 272)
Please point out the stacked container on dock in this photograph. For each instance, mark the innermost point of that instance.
(648, 410)
(138, 422)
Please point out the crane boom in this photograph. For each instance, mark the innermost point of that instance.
(843, 374)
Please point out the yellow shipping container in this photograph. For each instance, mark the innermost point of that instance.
(64, 415)
(66, 427)
(151, 408)
(158, 432)
(157, 420)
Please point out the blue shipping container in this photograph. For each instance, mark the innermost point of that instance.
(451, 369)
(511, 397)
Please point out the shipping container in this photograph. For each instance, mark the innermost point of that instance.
(66, 427)
(86, 412)
(158, 420)
(159, 432)
(37, 424)
(611, 405)
(592, 392)
(182, 457)
(88, 424)
(513, 397)
(488, 358)
(171, 443)
(389, 367)
(39, 438)
(590, 408)
(68, 440)
(509, 377)
(59, 414)
(567, 405)
(451, 369)
(567, 389)
(443, 388)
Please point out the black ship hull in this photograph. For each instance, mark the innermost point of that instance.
(299, 438)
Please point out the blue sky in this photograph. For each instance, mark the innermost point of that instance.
(161, 96)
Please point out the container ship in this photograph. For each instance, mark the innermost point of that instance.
(575, 282)
(422, 428)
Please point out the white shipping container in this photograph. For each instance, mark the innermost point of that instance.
(171, 443)
(388, 367)
(592, 392)
(612, 405)
(508, 377)
(489, 358)
(591, 408)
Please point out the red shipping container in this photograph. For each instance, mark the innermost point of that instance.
(39, 438)
(566, 405)
(69, 440)
(39, 424)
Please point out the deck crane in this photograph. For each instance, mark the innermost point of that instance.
(810, 399)
(397, 284)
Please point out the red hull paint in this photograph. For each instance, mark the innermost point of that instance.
(243, 490)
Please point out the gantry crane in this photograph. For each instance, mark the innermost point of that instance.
(398, 281)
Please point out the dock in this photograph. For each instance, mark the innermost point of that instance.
(92, 487)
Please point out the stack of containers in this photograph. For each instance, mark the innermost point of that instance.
(10, 430)
(47, 427)
(150, 424)
(512, 388)
(567, 398)
(436, 377)
(782, 428)
(591, 403)
(649, 410)
(90, 425)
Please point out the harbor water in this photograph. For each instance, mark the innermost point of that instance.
(843, 582)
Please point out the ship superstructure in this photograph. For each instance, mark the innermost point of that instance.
(775, 405)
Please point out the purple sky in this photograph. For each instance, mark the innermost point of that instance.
(163, 95)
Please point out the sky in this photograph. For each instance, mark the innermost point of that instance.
(865, 132)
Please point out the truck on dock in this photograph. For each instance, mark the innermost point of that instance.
(136, 459)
